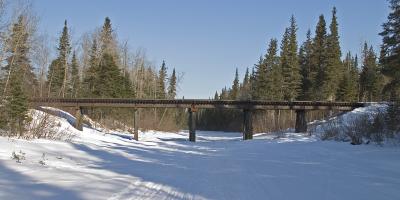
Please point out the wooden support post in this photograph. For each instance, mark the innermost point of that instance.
(192, 124)
(135, 125)
(78, 118)
(247, 124)
(301, 123)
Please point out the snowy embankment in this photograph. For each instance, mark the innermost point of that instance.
(95, 165)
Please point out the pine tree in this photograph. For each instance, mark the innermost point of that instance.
(319, 59)
(390, 50)
(289, 63)
(305, 68)
(58, 71)
(162, 76)
(234, 94)
(334, 68)
(172, 85)
(75, 80)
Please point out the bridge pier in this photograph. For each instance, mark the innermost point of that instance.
(247, 124)
(192, 124)
(135, 125)
(301, 122)
(78, 118)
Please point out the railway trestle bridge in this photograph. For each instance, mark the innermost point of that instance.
(192, 105)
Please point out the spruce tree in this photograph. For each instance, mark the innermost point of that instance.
(172, 85)
(108, 43)
(289, 63)
(260, 87)
(75, 80)
(58, 71)
(91, 74)
(21, 78)
(305, 68)
(234, 94)
(162, 76)
(348, 86)
(246, 86)
(370, 77)
(275, 79)
(109, 83)
(390, 50)
(319, 59)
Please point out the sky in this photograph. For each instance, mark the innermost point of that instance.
(207, 40)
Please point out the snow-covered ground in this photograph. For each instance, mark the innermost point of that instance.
(95, 165)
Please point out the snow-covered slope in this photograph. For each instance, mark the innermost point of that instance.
(163, 165)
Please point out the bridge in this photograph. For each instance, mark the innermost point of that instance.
(192, 105)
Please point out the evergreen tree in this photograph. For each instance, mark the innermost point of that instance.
(172, 85)
(246, 86)
(162, 76)
(216, 96)
(334, 68)
(319, 59)
(275, 79)
(260, 80)
(21, 78)
(108, 43)
(390, 50)
(109, 83)
(305, 63)
(58, 70)
(289, 63)
(75, 80)
(91, 76)
(370, 78)
(234, 94)
(348, 87)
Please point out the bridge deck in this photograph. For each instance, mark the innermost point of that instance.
(198, 103)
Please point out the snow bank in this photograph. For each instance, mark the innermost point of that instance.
(95, 165)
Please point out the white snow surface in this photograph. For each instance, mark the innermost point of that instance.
(96, 165)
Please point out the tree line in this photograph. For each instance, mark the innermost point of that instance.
(98, 66)
(313, 71)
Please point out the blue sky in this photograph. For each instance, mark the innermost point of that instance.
(208, 39)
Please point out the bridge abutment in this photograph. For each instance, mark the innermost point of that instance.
(78, 118)
(301, 122)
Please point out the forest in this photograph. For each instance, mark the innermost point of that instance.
(100, 65)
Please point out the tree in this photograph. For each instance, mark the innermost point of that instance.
(370, 77)
(110, 80)
(234, 94)
(90, 75)
(275, 79)
(22, 80)
(172, 85)
(390, 50)
(58, 70)
(162, 76)
(334, 68)
(289, 63)
(108, 43)
(305, 68)
(246, 86)
(319, 59)
(260, 87)
(348, 86)
(75, 80)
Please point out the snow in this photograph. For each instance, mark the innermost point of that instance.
(162, 165)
